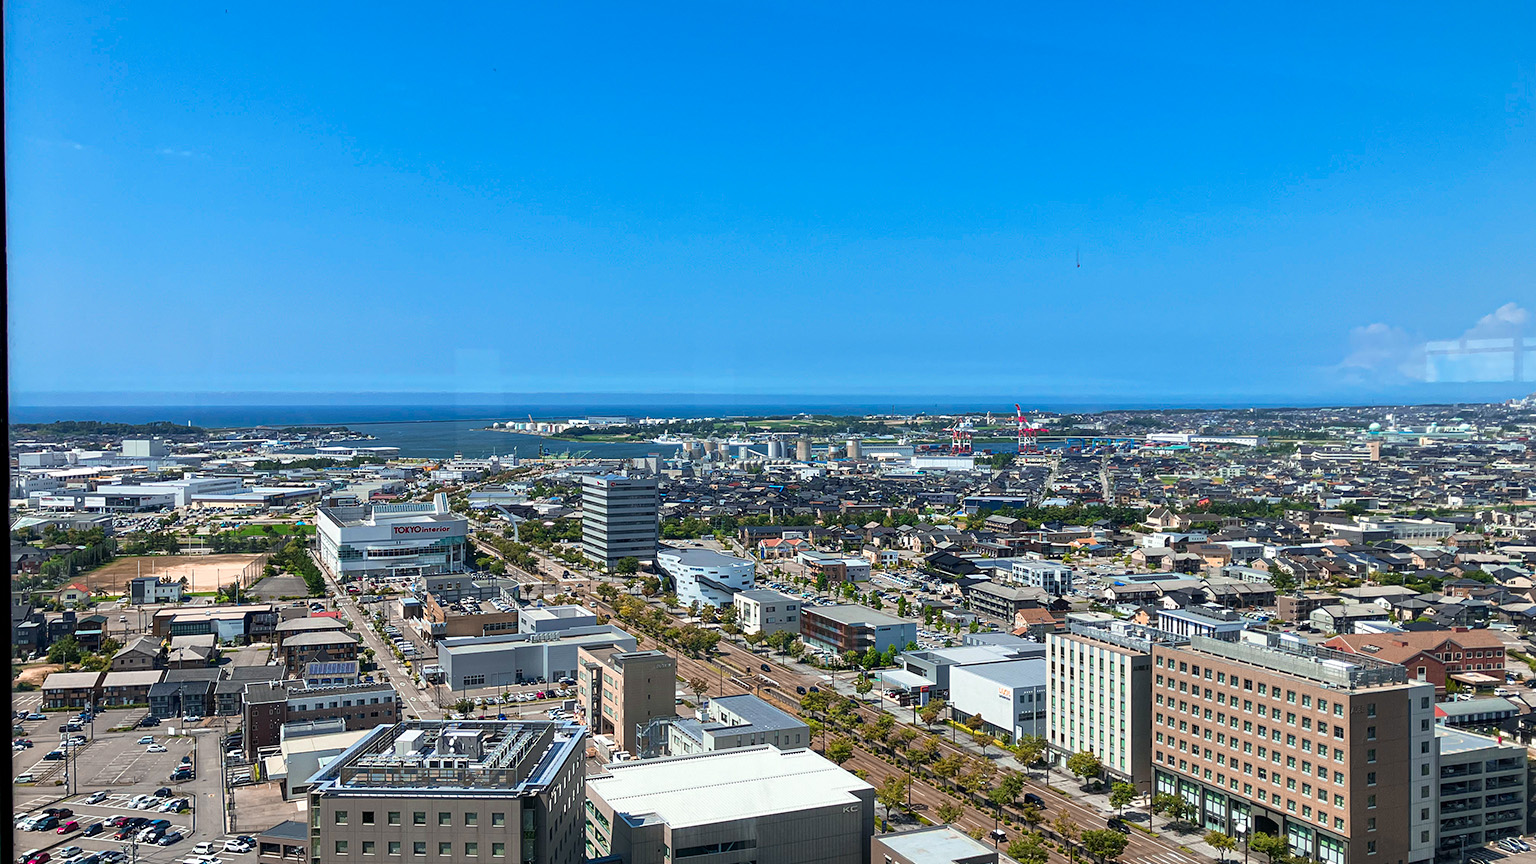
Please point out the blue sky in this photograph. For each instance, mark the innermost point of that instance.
(1277, 201)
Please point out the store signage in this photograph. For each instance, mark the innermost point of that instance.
(402, 530)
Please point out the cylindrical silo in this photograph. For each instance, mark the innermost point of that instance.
(853, 448)
(803, 448)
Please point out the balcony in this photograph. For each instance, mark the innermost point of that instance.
(1511, 764)
(1465, 787)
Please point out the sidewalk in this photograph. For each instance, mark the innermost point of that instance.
(1136, 814)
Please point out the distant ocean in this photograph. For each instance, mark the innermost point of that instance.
(442, 431)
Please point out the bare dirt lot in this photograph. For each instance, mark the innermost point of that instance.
(203, 572)
(35, 675)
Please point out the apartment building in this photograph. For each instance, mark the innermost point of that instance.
(1100, 695)
(767, 612)
(623, 691)
(619, 518)
(460, 792)
(751, 805)
(1430, 655)
(1334, 752)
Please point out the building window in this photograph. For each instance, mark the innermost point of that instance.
(471, 850)
(341, 817)
(394, 847)
(419, 847)
(498, 819)
(444, 848)
(419, 817)
(369, 847)
(367, 817)
(394, 817)
(444, 819)
(471, 819)
(341, 847)
(498, 850)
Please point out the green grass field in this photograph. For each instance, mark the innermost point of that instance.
(260, 530)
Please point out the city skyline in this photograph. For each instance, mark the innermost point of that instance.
(1200, 205)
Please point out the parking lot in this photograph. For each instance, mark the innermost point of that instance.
(119, 775)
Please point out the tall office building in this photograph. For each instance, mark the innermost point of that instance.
(1100, 696)
(619, 518)
(458, 792)
(749, 805)
(1334, 752)
(623, 691)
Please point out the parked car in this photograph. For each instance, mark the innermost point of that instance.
(96, 797)
(168, 838)
(192, 718)
(68, 826)
(70, 851)
(156, 748)
(25, 778)
(236, 845)
(147, 739)
(203, 848)
(93, 829)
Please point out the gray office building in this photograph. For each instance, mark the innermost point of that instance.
(619, 518)
(459, 792)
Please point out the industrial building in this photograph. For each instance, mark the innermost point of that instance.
(705, 576)
(622, 691)
(754, 804)
(385, 540)
(619, 518)
(461, 792)
(503, 661)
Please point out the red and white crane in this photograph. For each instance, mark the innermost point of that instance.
(1028, 434)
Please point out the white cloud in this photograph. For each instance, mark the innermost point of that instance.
(1382, 354)
(171, 151)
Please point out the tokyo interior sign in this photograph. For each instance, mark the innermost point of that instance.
(407, 530)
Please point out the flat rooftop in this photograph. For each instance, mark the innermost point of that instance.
(937, 844)
(725, 785)
(596, 635)
(693, 557)
(753, 712)
(428, 757)
(853, 614)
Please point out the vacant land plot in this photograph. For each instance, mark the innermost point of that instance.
(203, 572)
(286, 585)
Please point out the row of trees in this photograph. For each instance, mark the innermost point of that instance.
(688, 638)
(294, 557)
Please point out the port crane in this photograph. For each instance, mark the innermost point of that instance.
(1028, 434)
(960, 438)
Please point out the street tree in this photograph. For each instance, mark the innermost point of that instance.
(1029, 849)
(840, 750)
(1270, 846)
(1084, 764)
(1121, 795)
(1221, 842)
(1105, 845)
(700, 686)
(949, 812)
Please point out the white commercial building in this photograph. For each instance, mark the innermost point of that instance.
(757, 804)
(553, 619)
(393, 539)
(1052, 578)
(704, 576)
(1009, 696)
(1100, 694)
(767, 612)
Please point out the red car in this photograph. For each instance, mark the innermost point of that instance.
(69, 826)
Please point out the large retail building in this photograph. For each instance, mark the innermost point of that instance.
(393, 539)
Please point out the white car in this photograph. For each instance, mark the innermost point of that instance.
(192, 718)
(156, 748)
(147, 739)
(236, 846)
(96, 798)
(24, 778)
(203, 848)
